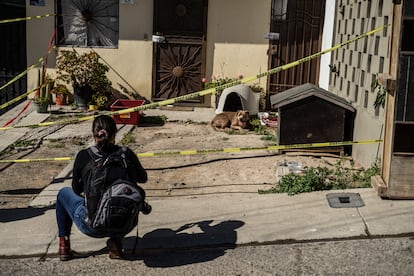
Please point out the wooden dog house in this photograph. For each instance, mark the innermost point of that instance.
(310, 114)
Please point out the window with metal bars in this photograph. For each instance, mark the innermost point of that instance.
(87, 23)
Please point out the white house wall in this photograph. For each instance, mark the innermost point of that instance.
(132, 61)
(38, 35)
(235, 42)
(328, 28)
(235, 38)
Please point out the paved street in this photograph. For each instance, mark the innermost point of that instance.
(383, 256)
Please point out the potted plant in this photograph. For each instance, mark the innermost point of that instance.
(42, 99)
(85, 73)
(61, 94)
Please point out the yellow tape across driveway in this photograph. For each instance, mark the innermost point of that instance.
(208, 151)
(211, 90)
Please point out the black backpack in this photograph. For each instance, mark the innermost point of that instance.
(112, 201)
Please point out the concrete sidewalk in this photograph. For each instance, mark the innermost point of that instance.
(220, 219)
(28, 117)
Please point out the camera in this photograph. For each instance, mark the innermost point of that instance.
(146, 208)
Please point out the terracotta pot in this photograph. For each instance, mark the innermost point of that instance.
(61, 99)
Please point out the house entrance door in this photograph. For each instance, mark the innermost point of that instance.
(299, 24)
(179, 52)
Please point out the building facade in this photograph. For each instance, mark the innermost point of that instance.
(229, 41)
(356, 67)
(232, 38)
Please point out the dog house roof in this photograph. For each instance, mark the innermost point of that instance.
(307, 90)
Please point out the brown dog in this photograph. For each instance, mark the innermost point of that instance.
(234, 120)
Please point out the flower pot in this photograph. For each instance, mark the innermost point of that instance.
(93, 107)
(41, 107)
(61, 99)
(83, 95)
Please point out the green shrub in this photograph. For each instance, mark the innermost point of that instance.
(262, 130)
(323, 178)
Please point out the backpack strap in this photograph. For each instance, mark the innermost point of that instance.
(95, 155)
(123, 154)
(124, 157)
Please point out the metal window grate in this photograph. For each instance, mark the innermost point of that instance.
(85, 23)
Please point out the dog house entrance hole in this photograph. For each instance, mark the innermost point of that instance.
(233, 102)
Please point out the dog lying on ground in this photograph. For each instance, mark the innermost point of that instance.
(234, 120)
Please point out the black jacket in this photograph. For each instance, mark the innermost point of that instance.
(136, 172)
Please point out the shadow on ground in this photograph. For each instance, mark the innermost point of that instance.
(15, 214)
(165, 247)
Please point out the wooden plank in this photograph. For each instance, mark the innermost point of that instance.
(177, 108)
(338, 150)
(317, 154)
(379, 185)
(401, 183)
(404, 154)
(390, 103)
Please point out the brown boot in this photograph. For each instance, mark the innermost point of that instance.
(115, 248)
(65, 253)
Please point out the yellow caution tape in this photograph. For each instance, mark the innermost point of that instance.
(20, 75)
(269, 148)
(37, 160)
(40, 60)
(18, 98)
(246, 79)
(215, 89)
(209, 151)
(25, 18)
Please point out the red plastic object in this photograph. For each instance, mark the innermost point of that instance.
(131, 118)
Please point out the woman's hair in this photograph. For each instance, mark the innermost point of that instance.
(103, 129)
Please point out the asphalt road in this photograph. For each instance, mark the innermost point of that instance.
(385, 256)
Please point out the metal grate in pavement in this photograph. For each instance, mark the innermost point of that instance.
(345, 200)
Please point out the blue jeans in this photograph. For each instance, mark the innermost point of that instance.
(70, 208)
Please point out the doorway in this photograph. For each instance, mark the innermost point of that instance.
(300, 25)
(179, 53)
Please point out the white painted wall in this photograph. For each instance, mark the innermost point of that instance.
(327, 35)
(367, 128)
(235, 38)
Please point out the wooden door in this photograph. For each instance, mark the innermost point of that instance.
(179, 60)
(299, 24)
(12, 51)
